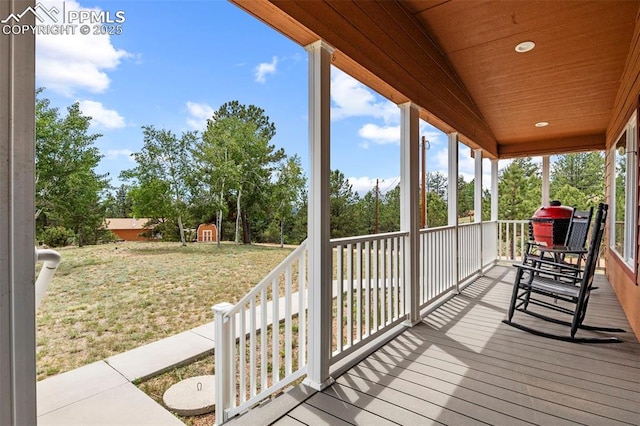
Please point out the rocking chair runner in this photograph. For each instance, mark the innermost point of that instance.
(570, 284)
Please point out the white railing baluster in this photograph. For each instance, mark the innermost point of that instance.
(233, 336)
(302, 310)
(287, 323)
(402, 243)
(383, 289)
(523, 239)
(252, 348)
(388, 270)
(275, 331)
(358, 312)
(349, 313)
(376, 288)
(339, 299)
(263, 339)
(242, 354)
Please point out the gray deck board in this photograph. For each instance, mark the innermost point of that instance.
(446, 409)
(521, 381)
(310, 415)
(288, 421)
(344, 410)
(462, 365)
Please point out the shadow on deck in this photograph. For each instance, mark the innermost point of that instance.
(461, 365)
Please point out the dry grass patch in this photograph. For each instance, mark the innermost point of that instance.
(157, 386)
(108, 299)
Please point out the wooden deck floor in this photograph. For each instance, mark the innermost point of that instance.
(462, 366)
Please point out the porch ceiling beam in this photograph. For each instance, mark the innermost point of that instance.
(554, 146)
(383, 46)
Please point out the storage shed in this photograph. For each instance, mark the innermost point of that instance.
(207, 232)
(130, 229)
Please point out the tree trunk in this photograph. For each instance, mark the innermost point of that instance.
(281, 233)
(219, 226)
(246, 229)
(219, 221)
(80, 239)
(238, 218)
(181, 227)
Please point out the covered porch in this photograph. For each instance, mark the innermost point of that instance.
(461, 365)
(452, 66)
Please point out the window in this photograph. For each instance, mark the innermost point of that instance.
(623, 194)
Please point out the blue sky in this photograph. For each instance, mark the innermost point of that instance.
(178, 61)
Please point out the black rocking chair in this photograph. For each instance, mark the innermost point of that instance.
(548, 280)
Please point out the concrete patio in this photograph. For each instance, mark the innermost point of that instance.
(102, 393)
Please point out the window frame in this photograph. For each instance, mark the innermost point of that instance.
(631, 186)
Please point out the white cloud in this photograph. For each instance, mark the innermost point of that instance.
(438, 161)
(353, 99)
(70, 62)
(108, 118)
(266, 68)
(390, 134)
(115, 154)
(199, 114)
(364, 184)
(380, 135)
(433, 135)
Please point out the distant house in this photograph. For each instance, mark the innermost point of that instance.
(130, 229)
(207, 232)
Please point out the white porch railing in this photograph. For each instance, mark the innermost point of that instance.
(261, 342)
(261, 345)
(368, 291)
(438, 262)
(446, 262)
(512, 238)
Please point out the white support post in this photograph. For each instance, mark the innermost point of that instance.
(319, 231)
(452, 179)
(477, 189)
(409, 207)
(545, 180)
(17, 227)
(494, 190)
(222, 358)
(452, 199)
(477, 200)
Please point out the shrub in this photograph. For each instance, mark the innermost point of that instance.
(56, 236)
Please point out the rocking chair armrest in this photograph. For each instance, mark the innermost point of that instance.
(558, 273)
(563, 250)
(546, 264)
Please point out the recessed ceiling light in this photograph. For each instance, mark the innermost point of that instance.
(542, 124)
(525, 46)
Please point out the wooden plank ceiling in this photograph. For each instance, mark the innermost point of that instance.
(456, 59)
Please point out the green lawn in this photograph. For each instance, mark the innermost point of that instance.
(111, 298)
